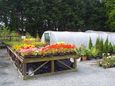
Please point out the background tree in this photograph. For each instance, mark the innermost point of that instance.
(41, 15)
(110, 10)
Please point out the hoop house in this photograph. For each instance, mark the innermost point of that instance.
(76, 38)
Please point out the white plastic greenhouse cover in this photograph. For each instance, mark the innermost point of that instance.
(78, 38)
(104, 35)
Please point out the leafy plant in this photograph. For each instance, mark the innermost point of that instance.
(28, 35)
(106, 44)
(100, 49)
(78, 52)
(97, 45)
(107, 62)
(110, 48)
(4, 31)
(114, 48)
(90, 43)
(84, 52)
(94, 51)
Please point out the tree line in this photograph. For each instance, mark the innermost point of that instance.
(71, 15)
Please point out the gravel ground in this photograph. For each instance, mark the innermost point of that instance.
(88, 74)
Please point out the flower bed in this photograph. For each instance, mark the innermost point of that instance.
(47, 51)
(28, 48)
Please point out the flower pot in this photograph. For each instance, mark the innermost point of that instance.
(79, 59)
(90, 58)
(84, 58)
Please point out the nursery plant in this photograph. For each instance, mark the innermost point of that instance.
(94, 52)
(110, 48)
(107, 47)
(113, 48)
(82, 52)
(107, 62)
(103, 47)
(97, 45)
(90, 43)
(40, 49)
(106, 44)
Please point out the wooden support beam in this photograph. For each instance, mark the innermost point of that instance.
(52, 67)
(39, 67)
(64, 64)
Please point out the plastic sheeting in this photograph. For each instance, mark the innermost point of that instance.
(78, 38)
(104, 35)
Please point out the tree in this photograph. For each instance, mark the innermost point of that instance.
(110, 10)
(41, 15)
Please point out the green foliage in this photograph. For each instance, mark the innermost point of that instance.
(114, 48)
(101, 47)
(5, 34)
(97, 45)
(84, 52)
(110, 11)
(90, 43)
(106, 45)
(81, 51)
(94, 51)
(107, 62)
(42, 15)
(78, 52)
(110, 48)
(4, 31)
(11, 43)
(28, 35)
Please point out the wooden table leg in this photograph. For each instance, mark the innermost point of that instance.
(24, 68)
(52, 67)
(74, 64)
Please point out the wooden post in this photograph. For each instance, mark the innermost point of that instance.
(74, 65)
(52, 66)
(24, 71)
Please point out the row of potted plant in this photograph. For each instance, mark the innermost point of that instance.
(96, 50)
(87, 54)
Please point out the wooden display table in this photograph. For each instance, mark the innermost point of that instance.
(42, 65)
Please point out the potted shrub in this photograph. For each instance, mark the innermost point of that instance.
(100, 47)
(89, 55)
(84, 54)
(94, 52)
(113, 49)
(90, 44)
(78, 53)
(110, 48)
